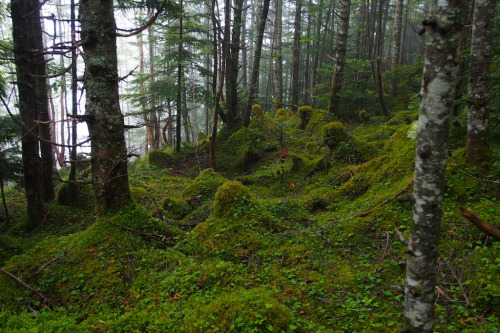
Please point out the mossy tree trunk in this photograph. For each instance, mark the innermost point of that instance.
(479, 82)
(31, 84)
(438, 90)
(340, 55)
(103, 115)
(254, 81)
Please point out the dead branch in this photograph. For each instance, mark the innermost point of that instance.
(30, 132)
(149, 23)
(156, 237)
(59, 256)
(485, 180)
(383, 202)
(402, 238)
(485, 227)
(384, 253)
(51, 303)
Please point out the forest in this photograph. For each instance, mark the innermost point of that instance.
(250, 166)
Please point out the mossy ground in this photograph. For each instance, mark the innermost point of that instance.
(281, 249)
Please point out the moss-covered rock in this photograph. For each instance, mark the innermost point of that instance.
(304, 113)
(82, 198)
(159, 158)
(206, 184)
(334, 134)
(232, 199)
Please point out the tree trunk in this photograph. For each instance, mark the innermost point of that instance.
(438, 87)
(232, 66)
(149, 138)
(296, 56)
(478, 147)
(178, 123)
(74, 106)
(278, 73)
(254, 82)
(103, 115)
(396, 44)
(380, 49)
(154, 119)
(30, 65)
(338, 74)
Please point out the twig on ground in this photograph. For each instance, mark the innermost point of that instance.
(46, 300)
(383, 202)
(59, 256)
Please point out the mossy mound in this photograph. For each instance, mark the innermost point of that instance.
(83, 197)
(334, 134)
(236, 226)
(241, 311)
(206, 184)
(304, 113)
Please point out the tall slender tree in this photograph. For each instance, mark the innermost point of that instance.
(478, 147)
(295, 91)
(438, 90)
(254, 82)
(398, 20)
(103, 116)
(278, 50)
(340, 56)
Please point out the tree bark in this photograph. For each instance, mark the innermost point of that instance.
(74, 105)
(338, 75)
(178, 122)
(254, 81)
(103, 115)
(478, 147)
(438, 87)
(380, 47)
(278, 72)
(398, 20)
(30, 70)
(296, 56)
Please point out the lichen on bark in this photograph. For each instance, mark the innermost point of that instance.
(438, 91)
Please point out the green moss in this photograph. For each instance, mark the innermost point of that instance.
(231, 199)
(312, 147)
(257, 111)
(83, 197)
(334, 134)
(206, 184)
(159, 158)
(304, 113)
(241, 311)
(175, 208)
(284, 114)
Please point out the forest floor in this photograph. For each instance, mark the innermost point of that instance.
(302, 229)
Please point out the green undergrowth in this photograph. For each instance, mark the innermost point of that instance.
(296, 232)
